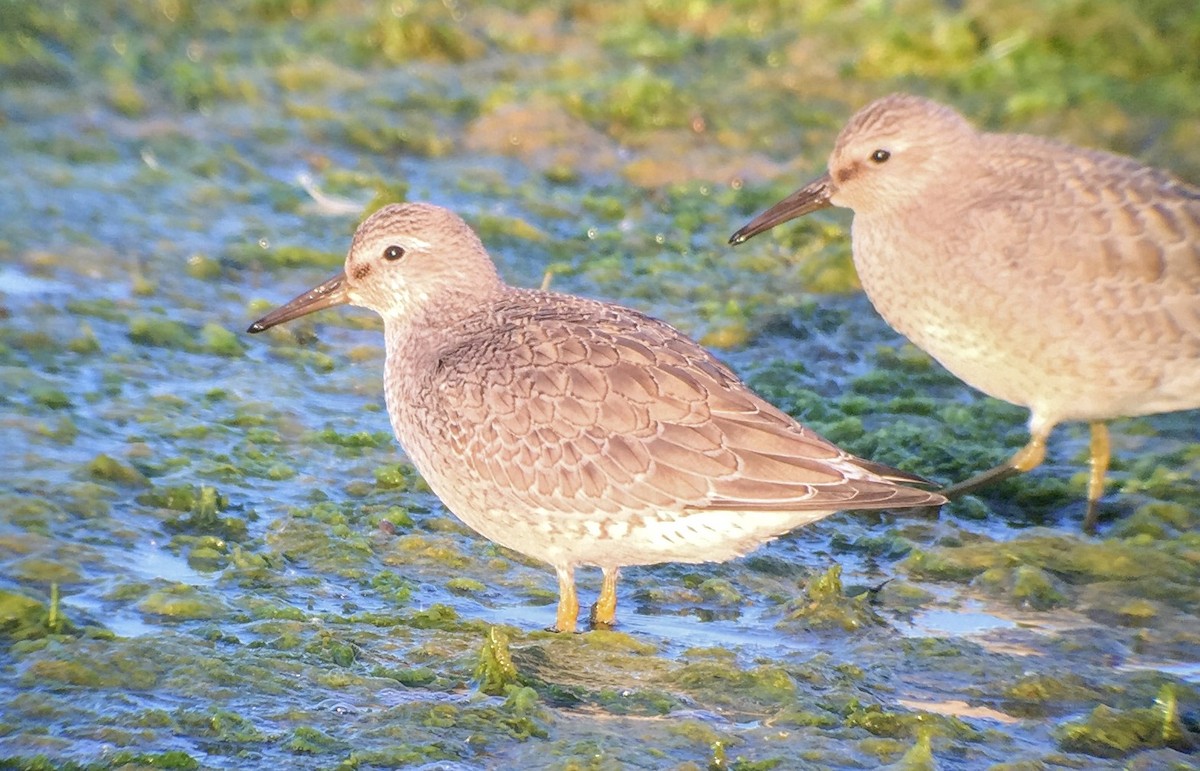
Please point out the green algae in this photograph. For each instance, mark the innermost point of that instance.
(202, 506)
(312, 543)
(1114, 733)
(885, 723)
(50, 398)
(170, 759)
(381, 135)
(520, 717)
(332, 649)
(21, 617)
(65, 431)
(181, 601)
(221, 725)
(437, 616)
(1078, 560)
(398, 755)
(720, 761)
(220, 341)
(99, 307)
(462, 585)
(824, 604)
(163, 333)
(1041, 694)
(60, 663)
(86, 343)
(919, 757)
(617, 642)
(31, 514)
(203, 267)
(641, 702)
(419, 31)
(415, 548)
(1157, 521)
(1138, 612)
(108, 469)
(259, 608)
(306, 740)
(495, 672)
(418, 677)
(265, 256)
(638, 101)
(758, 686)
(1025, 585)
(356, 441)
(188, 498)
(42, 570)
(909, 431)
(205, 553)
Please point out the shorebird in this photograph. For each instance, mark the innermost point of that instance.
(574, 431)
(1062, 279)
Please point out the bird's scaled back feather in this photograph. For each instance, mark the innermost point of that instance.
(580, 405)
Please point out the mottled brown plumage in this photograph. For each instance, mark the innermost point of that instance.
(575, 431)
(1058, 278)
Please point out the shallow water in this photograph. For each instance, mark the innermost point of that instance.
(250, 574)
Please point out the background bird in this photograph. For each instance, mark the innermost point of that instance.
(1058, 278)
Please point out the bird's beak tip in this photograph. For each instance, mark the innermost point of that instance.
(332, 292)
(812, 197)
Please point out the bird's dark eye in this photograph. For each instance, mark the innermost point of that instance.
(879, 156)
(393, 253)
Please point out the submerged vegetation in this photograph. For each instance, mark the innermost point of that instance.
(212, 554)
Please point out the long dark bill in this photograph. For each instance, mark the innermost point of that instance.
(812, 197)
(332, 292)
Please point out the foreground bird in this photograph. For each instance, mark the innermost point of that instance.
(1057, 278)
(575, 431)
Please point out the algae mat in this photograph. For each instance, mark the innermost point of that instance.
(213, 555)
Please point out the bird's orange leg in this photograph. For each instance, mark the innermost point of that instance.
(1101, 451)
(568, 602)
(1028, 457)
(604, 612)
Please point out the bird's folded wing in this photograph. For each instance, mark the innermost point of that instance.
(581, 408)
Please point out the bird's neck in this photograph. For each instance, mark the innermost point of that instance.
(433, 323)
